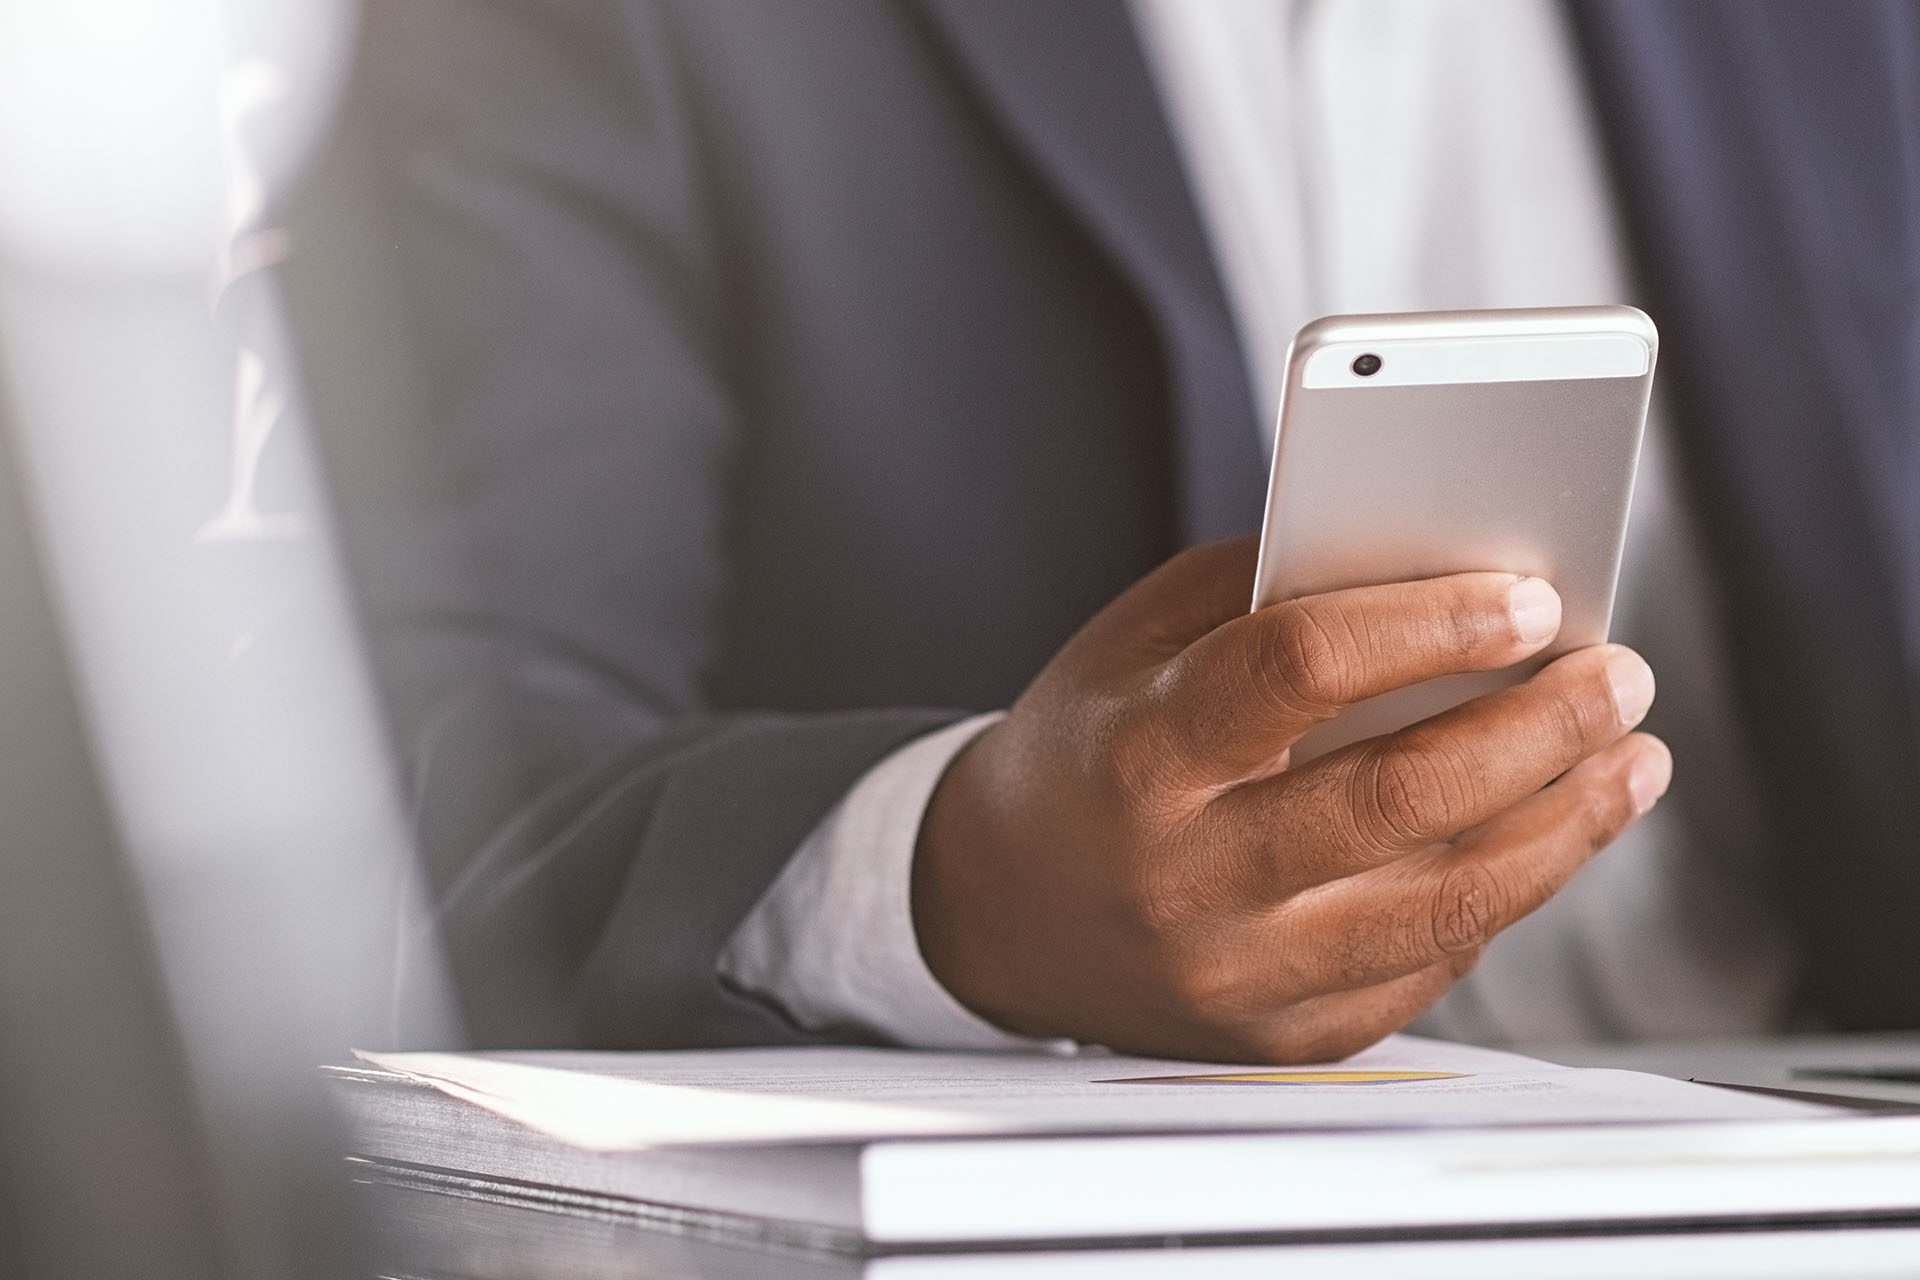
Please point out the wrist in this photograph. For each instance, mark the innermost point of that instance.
(963, 921)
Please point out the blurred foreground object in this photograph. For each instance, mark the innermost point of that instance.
(192, 564)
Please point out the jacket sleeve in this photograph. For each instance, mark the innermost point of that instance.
(510, 293)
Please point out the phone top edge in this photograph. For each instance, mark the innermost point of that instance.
(1438, 347)
(1404, 362)
(1504, 322)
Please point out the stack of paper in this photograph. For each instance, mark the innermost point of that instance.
(853, 1149)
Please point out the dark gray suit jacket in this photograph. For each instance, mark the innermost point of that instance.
(709, 384)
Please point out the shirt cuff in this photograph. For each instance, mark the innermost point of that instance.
(832, 943)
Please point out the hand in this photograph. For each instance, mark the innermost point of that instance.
(1127, 859)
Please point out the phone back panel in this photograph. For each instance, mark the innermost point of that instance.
(1375, 483)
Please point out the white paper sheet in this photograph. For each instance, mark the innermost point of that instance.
(615, 1102)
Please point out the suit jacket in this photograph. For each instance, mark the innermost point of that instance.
(715, 390)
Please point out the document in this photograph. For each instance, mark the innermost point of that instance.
(619, 1102)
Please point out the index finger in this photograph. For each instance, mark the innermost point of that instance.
(1232, 702)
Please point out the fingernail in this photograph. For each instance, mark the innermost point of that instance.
(1648, 780)
(1535, 609)
(1631, 681)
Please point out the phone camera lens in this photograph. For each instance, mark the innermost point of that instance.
(1367, 365)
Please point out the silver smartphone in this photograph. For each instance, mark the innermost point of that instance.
(1429, 443)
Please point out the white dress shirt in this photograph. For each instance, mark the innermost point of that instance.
(1381, 155)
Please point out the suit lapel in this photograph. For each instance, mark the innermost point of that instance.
(1761, 152)
(1068, 82)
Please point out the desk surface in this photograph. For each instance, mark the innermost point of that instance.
(445, 1237)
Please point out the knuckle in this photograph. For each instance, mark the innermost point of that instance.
(1385, 948)
(1303, 663)
(1602, 813)
(1408, 794)
(1155, 905)
(1580, 716)
(1577, 718)
(1219, 976)
(1136, 758)
(1202, 987)
(1240, 871)
(1132, 742)
(1329, 1043)
(1467, 908)
(1177, 942)
(1359, 957)
(1462, 628)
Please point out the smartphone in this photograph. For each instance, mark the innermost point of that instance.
(1429, 443)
